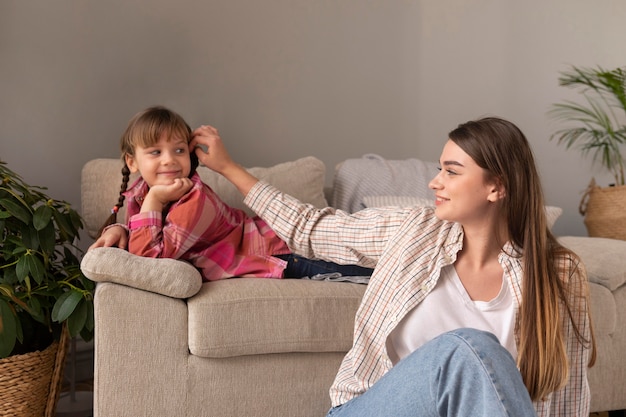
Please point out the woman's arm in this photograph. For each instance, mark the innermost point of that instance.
(325, 233)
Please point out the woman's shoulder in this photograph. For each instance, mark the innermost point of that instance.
(422, 227)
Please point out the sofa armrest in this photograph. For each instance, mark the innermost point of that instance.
(170, 277)
(604, 259)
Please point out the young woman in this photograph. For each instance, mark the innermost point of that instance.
(473, 308)
(173, 214)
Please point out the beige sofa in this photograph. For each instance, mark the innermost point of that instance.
(167, 344)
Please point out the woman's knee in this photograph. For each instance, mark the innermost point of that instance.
(473, 339)
(463, 346)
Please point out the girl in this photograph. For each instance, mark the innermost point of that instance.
(173, 214)
(473, 308)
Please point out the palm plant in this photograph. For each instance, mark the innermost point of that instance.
(600, 123)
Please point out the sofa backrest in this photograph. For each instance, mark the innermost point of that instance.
(101, 180)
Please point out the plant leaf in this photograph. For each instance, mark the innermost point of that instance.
(66, 230)
(76, 321)
(35, 309)
(42, 216)
(90, 322)
(46, 238)
(29, 264)
(16, 210)
(36, 268)
(22, 269)
(65, 305)
(30, 239)
(8, 329)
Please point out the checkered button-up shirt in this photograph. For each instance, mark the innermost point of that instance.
(408, 247)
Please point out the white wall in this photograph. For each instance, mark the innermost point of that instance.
(287, 78)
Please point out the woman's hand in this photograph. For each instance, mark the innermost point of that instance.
(113, 236)
(208, 146)
(216, 158)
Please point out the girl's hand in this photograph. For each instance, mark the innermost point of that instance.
(113, 236)
(160, 195)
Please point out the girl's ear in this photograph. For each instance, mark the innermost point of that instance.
(131, 163)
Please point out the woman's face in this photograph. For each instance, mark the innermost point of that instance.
(464, 193)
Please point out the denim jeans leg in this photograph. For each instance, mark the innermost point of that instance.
(298, 267)
(465, 372)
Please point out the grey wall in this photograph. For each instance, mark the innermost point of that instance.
(286, 78)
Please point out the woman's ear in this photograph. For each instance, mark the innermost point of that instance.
(498, 192)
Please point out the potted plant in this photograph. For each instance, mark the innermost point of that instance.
(43, 294)
(597, 127)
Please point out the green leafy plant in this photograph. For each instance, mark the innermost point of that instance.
(41, 285)
(599, 124)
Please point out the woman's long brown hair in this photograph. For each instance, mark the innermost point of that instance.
(145, 129)
(548, 297)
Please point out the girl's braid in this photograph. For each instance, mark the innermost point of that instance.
(112, 219)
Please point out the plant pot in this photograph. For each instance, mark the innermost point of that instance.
(604, 209)
(30, 383)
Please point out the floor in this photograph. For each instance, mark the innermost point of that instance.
(76, 399)
(78, 403)
(81, 404)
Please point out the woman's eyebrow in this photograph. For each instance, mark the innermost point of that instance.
(454, 163)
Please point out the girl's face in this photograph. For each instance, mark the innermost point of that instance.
(464, 193)
(161, 163)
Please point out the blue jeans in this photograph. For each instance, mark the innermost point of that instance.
(298, 267)
(465, 372)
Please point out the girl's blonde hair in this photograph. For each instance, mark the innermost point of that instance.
(549, 296)
(145, 129)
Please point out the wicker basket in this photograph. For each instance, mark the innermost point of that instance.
(30, 384)
(604, 209)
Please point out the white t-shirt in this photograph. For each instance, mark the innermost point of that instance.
(449, 307)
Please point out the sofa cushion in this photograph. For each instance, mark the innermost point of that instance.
(101, 179)
(170, 277)
(247, 316)
(605, 259)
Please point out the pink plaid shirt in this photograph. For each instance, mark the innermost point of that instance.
(219, 240)
(414, 241)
